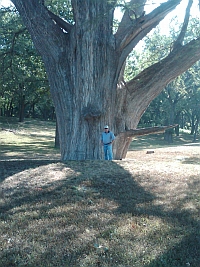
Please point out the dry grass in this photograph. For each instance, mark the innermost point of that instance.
(31, 139)
(142, 211)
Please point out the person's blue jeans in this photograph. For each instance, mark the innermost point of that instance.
(108, 152)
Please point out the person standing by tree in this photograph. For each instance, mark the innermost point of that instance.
(107, 138)
(84, 54)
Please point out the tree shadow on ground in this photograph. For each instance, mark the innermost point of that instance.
(12, 167)
(66, 214)
(191, 160)
(185, 253)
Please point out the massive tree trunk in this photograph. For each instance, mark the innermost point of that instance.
(84, 62)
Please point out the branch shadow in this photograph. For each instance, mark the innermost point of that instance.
(185, 253)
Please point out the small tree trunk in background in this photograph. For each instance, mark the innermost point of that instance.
(21, 108)
(57, 143)
(196, 130)
(177, 130)
(177, 121)
(192, 125)
(168, 136)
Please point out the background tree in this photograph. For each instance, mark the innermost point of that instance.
(85, 60)
(24, 87)
(178, 104)
(193, 103)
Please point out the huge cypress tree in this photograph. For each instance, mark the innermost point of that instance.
(85, 60)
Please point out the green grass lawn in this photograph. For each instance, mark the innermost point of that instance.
(28, 139)
(157, 141)
(138, 212)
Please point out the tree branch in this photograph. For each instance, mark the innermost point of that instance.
(130, 33)
(133, 10)
(61, 23)
(181, 36)
(150, 82)
(146, 131)
(161, 73)
(130, 29)
(44, 31)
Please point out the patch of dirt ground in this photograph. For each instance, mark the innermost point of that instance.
(170, 171)
(179, 156)
(169, 162)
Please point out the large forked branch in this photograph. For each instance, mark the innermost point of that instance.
(151, 81)
(147, 131)
(134, 9)
(128, 36)
(166, 70)
(131, 11)
(130, 29)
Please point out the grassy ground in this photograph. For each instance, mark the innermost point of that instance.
(141, 211)
(27, 140)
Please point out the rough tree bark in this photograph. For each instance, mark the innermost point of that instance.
(84, 63)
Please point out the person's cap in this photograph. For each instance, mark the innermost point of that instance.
(106, 127)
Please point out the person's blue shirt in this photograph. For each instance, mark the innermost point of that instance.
(107, 137)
